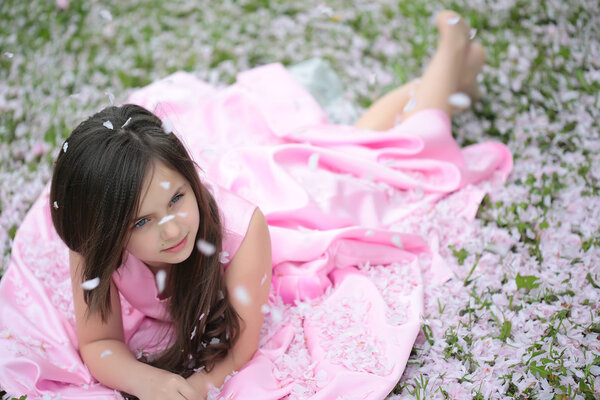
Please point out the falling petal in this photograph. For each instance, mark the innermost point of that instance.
(126, 122)
(412, 103)
(111, 97)
(193, 332)
(106, 15)
(206, 248)
(313, 161)
(166, 219)
(182, 214)
(472, 33)
(167, 126)
(161, 277)
(8, 54)
(397, 240)
(166, 185)
(264, 308)
(55, 205)
(242, 295)
(65, 146)
(108, 124)
(453, 20)
(459, 100)
(105, 353)
(90, 284)
(263, 280)
(224, 257)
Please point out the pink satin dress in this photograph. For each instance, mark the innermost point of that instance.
(348, 279)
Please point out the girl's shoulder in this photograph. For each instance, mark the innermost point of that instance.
(236, 214)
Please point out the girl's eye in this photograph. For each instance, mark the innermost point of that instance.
(176, 199)
(141, 223)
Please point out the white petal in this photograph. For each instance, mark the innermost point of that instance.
(126, 122)
(90, 284)
(166, 185)
(472, 33)
(397, 240)
(459, 100)
(106, 15)
(182, 214)
(263, 280)
(215, 340)
(412, 103)
(161, 277)
(206, 248)
(224, 257)
(313, 161)
(108, 124)
(220, 295)
(55, 205)
(111, 97)
(65, 146)
(166, 219)
(105, 353)
(242, 295)
(264, 308)
(201, 316)
(167, 126)
(453, 20)
(369, 232)
(193, 333)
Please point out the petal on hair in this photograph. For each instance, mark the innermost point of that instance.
(126, 122)
(242, 295)
(215, 340)
(65, 146)
(105, 353)
(193, 332)
(167, 126)
(55, 205)
(91, 284)
(201, 316)
(161, 277)
(206, 248)
(166, 185)
(220, 295)
(108, 124)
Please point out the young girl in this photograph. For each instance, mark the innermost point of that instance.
(153, 278)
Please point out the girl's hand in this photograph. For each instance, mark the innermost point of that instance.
(167, 386)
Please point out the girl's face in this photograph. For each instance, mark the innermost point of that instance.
(164, 231)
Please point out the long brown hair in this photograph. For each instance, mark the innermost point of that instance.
(96, 187)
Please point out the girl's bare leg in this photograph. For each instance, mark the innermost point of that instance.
(453, 68)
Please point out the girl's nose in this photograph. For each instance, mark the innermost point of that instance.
(169, 228)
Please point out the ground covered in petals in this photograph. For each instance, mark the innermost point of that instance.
(521, 316)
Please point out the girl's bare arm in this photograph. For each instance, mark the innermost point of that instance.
(102, 348)
(248, 279)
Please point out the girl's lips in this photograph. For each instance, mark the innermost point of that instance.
(178, 247)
